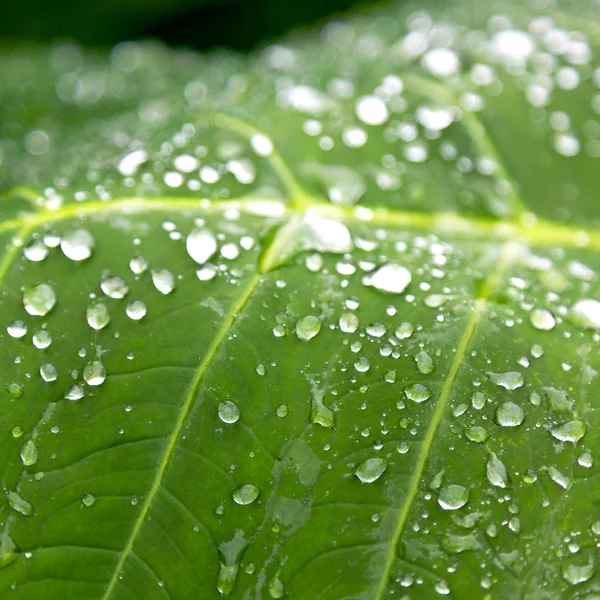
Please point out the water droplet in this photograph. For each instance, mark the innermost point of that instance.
(136, 310)
(77, 245)
(201, 245)
(164, 281)
(42, 339)
(478, 400)
(260, 369)
(276, 588)
(97, 315)
(417, 392)
(496, 471)
(94, 373)
(15, 390)
(114, 287)
(349, 322)
(29, 453)
(371, 469)
(19, 504)
(376, 330)
(542, 319)
(88, 500)
(442, 588)
(362, 365)
(509, 381)
(586, 313)
(227, 578)
(391, 278)
(246, 494)
(39, 300)
(477, 434)
(404, 331)
(308, 327)
(206, 272)
(509, 414)
(575, 574)
(371, 110)
(75, 392)
(36, 251)
(48, 372)
(453, 496)
(572, 431)
(282, 411)
(229, 412)
(585, 460)
(563, 480)
(425, 364)
(17, 329)
(138, 265)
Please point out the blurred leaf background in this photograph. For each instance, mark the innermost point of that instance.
(201, 24)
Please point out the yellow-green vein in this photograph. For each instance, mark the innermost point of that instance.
(508, 254)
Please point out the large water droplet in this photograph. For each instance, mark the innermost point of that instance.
(36, 251)
(308, 327)
(136, 310)
(417, 392)
(586, 313)
(229, 412)
(542, 319)
(42, 339)
(94, 373)
(97, 315)
(371, 469)
(349, 322)
(39, 300)
(572, 431)
(246, 494)
(453, 497)
(19, 504)
(477, 434)
(29, 453)
(114, 287)
(575, 574)
(404, 331)
(425, 364)
(48, 372)
(390, 278)
(74, 393)
(201, 245)
(77, 245)
(276, 588)
(509, 414)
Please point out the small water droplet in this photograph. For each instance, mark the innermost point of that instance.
(74, 393)
(17, 329)
(15, 390)
(97, 315)
(477, 434)
(138, 265)
(36, 251)
(164, 281)
(39, 300)
(88, 500)
(371, 469)
(246, 494)
(509, 381)
(404, 331)
(349, 322)
(282, 411)
(496, 471)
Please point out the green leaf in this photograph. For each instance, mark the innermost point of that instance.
(318, 323)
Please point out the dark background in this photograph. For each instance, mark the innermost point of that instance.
(201, 24)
